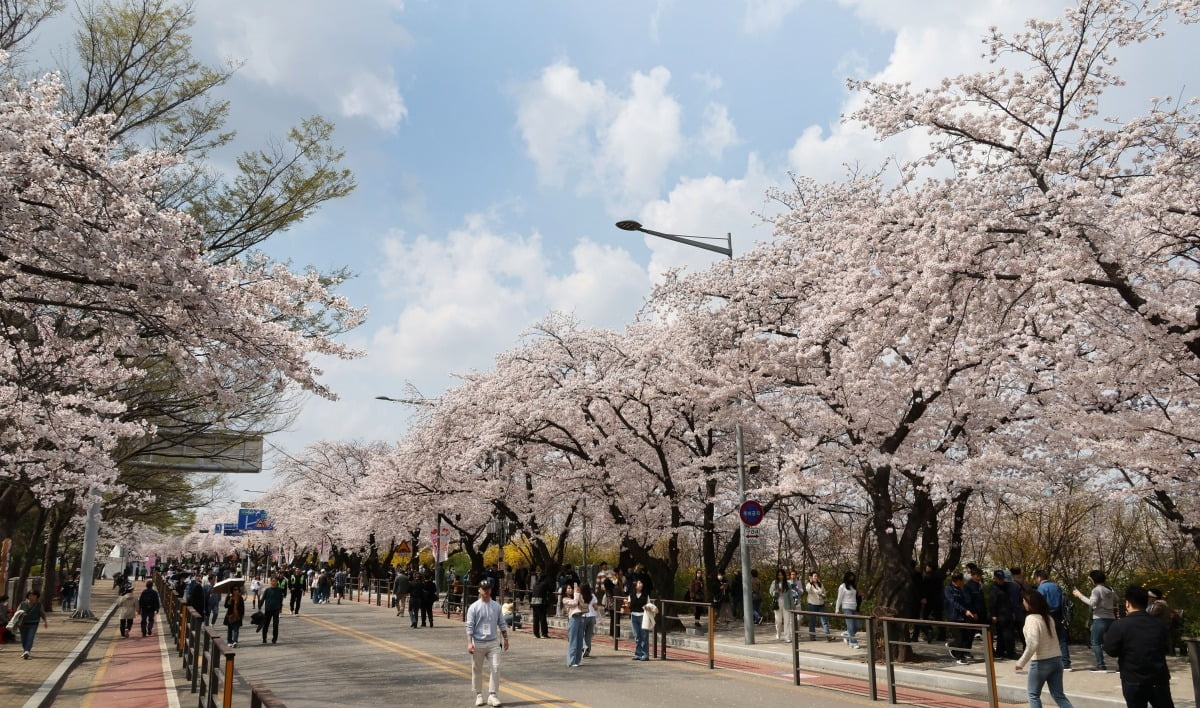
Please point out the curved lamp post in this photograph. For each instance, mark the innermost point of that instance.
(727, 251)
(439, 573)
(694, 241)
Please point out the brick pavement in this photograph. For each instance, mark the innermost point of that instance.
(53, 644)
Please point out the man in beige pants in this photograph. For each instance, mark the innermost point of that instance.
(487, 636)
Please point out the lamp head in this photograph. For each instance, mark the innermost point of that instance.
(629, 225)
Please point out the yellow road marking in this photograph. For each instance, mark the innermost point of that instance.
(524, 691)
(100, 671)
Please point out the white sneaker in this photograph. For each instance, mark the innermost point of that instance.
(493, 700)
(478, 699)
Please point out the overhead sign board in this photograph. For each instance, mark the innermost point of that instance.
(209, 453)
(254, 520)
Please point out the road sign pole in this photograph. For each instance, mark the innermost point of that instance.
(747, 591)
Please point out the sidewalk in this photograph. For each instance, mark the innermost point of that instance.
(934, 670)
(56, 650)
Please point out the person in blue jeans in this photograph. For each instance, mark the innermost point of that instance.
(235, 613)
(1103, 602)
(1042, 653)
(574, 607)
(847, 604)
(637, 612)
(1053, 593)
(31, 611)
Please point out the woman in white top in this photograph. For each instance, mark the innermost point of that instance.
(590, 612)
(781, 601)
(573, 605)
(847, 603)
(255, 589)
(1041, 645)
(815, 593)
(1104, 612)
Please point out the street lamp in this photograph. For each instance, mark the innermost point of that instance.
(438, 571)
(727, 251)
(695, 241)
(409, 401)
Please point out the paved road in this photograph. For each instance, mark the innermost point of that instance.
(357, 654)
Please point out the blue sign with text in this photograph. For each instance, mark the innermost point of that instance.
(254, 520)
(752, 513)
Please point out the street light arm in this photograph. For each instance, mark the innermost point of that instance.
(409, 401)
(726, 250)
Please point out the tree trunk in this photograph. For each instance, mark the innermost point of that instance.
(27, 560)
(59, 518)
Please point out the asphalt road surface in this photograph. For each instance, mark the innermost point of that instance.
(362, 655)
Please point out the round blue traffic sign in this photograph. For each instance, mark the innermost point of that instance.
(751, 512)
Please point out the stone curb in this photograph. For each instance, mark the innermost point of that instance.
(44, 696)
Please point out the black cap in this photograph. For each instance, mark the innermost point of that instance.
(485, 583)
(998, 574)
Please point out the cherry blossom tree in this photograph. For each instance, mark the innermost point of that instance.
(94, 275)
(1087, 224)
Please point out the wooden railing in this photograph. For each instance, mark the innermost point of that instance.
(208, 662)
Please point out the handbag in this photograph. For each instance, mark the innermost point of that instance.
(257, 617)
(15, 622)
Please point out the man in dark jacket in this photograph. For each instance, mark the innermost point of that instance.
(932, 595)
(1139, 642)
(1002, 616)
(429, 596)
(955, 605)
(295, 590)
(196, 597)
(541, 599)
(148, 607)
(272, 607)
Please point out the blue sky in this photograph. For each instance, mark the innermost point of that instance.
(495, 143)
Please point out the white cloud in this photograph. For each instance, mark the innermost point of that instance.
(763, 15)
(605, 289)
(643, 137)
(556, 117)
(471, 294)
(709, 207)
(709, 81)
(718, 131)
(619, 146)
(376, 97)
(328, 55)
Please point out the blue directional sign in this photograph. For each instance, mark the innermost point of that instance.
(751, 512)
(254, 520)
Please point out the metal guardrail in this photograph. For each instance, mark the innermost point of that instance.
(887, 625)
(984, 629)
(660, 626)
(870, 639)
